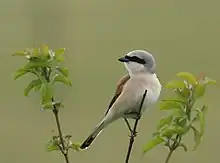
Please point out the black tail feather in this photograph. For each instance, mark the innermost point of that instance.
(92, 136)
(87, 142)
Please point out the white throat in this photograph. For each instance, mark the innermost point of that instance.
(136, 68)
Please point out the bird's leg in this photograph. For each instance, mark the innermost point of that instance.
(134, 133)
(128, 124)
(138, 116)
(130, 129)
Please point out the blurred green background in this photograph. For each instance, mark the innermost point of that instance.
(182, 35)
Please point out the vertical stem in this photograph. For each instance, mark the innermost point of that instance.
(173, 147)
(66, 157)
(64, 151)
(169, 156)
(63, 148)
(133, 133)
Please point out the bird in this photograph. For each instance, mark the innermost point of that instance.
(140, 77)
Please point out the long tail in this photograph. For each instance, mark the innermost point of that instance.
(92, 136)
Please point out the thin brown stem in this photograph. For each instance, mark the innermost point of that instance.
(169, 156)
(63, 148)
(66, 157)
(134, 132)
(64, 151)
(173, 147)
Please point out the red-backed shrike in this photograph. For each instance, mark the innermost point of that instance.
(130, 89)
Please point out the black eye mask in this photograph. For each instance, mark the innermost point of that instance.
(135, 59)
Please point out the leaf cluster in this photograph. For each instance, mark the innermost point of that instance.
(183, 113)
(55, 144)
(46, 66)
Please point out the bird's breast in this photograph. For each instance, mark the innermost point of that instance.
(153, 87)
(153, 95)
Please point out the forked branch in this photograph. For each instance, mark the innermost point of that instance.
(134, 132)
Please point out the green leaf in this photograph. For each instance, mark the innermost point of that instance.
(63, 71)
(153, 143)
(168, 132)
(62, 79)
(200, 90)
(48, 105)
(182, 130)
(60, 51)
(183, 146)
(46, 92)
(167, 105)
(171, 130)
(183, 93)
(175, 84)
(164, 121)
(75, 147)
(180, 101)
(35, 52)
(201, 117)
(52, 146)
(31, 85)
(20, 53)
(37, 88)
(178, 113)
(197, 137)
(182, 121)
(59, 54)
(188, 77)
(208, 80)
(36, 64)
(44, 50)
(34, 59)
(20, 72)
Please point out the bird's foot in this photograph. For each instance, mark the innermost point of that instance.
(133, 134)
(138, 116)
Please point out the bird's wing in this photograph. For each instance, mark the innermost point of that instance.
(119, 89)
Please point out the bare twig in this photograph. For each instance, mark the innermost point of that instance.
(133, 132)
(168, 156)
(63, 149)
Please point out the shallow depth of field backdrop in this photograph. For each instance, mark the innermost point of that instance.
(182, 35)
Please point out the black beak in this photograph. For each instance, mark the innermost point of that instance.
(123, 59)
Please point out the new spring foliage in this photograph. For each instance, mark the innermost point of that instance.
(45, 65)
(182, 113)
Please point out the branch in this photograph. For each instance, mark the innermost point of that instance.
(173, 147)
(168, 156)
(63, 150)
(39, 64)
(134, 132)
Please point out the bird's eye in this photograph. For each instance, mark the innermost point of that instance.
(135, 59)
